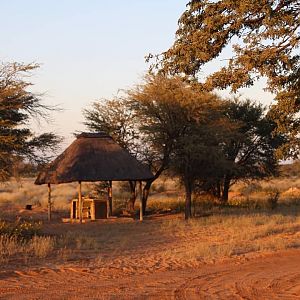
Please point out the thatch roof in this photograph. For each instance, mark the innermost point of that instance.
(93, 157)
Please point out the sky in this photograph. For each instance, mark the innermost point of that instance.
(89, 50)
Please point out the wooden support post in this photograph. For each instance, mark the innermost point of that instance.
(79, 202)
(110, 198)
(141, 200)
(49, 202)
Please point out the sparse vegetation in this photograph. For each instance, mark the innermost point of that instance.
(247, 227)
(20, 229)
(225, 232)
(21, 239)
(213, 194)
(260, 216)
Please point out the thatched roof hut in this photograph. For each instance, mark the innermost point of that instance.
(93, 157)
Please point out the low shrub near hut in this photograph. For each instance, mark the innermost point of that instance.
(22, 240)
(20, 229)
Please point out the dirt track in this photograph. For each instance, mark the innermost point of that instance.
(274, 276)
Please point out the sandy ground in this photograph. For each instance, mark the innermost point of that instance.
(273, 276)
(152, 260)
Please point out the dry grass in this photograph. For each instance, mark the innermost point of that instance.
(165, 195)
(258, 192)
(160, 241)
(248, 225)
(238, 233)
(36, 248)
(25, 192)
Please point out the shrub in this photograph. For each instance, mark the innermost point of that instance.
(20, 229)
(272, 199)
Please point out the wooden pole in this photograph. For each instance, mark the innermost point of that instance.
(141, 200)
(49, 202)
(110, 198)
(79, 202)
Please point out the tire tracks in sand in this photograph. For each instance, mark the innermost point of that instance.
(275, 276)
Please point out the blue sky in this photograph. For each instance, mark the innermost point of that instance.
(88, 49)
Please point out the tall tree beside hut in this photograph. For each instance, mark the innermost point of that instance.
(114, 117)
(181, 125)
(150, 119)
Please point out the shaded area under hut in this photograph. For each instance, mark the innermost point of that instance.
(93, 157)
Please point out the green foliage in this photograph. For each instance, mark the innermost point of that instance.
(252, 150)
(248, 151)
(206, 141)
(17, 107)
(20, 229)
(183, 125)
(264, 36)
(114, 118)
(268, 32)
(168, 111)
(272, 199)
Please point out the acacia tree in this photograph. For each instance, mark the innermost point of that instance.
(129, 119)
(265, 38)
(151, 119)
(114, 117)
(249, 150)
(197, 155)
(17, 107)
(182, 125)
(159, 119)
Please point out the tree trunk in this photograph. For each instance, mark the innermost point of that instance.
(49, 202)
(79, 202)
(146, 191)
(226, 189)
(218, 190)
(131, 202)
(188, 199)
(141, 199)
(110, 198)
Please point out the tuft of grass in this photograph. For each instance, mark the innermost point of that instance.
(9, 246)
(40, 246)
(12, 247)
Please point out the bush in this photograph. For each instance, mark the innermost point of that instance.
(272, 199)
(20, 229)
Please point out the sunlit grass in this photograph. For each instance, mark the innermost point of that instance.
(247, 225)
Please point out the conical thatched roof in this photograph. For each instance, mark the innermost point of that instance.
(93, 157)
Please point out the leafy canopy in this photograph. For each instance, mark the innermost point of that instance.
(249, 152)
(17, 107)
(264, 36)
(267, 35)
